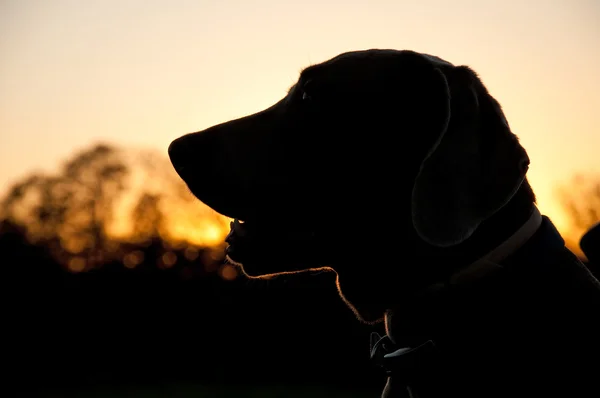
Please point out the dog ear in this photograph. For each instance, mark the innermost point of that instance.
(472, 170)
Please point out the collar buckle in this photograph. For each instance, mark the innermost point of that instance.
(405, 363)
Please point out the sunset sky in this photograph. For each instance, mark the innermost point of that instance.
(143, 72)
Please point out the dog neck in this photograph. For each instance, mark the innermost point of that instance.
(492, 236)
(481, 268)
(490, 262)
(412, 332)
(370, 294)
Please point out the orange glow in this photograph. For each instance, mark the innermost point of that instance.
(206, 234)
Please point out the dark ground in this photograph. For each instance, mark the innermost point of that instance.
(178, 332)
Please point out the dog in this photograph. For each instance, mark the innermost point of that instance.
(398, 171)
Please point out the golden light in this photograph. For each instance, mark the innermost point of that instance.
(214, 233)
(206, 233)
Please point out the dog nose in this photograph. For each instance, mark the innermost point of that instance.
(180, 154)
(198, 158)
(205, 162)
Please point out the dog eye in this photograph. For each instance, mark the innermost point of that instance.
(307, 88)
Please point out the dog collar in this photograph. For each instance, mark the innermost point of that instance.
(491, 261)
(486, 265)
(408, 363)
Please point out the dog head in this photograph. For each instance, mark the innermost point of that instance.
(369, 152)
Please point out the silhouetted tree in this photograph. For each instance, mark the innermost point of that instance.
(70, 213)
(147, 218)
(104, 197)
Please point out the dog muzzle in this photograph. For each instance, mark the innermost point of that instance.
(273, 247)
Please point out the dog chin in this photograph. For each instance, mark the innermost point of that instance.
(281, 275)
(258, 249)
(273, 267)
(265, 271)
(240, 267)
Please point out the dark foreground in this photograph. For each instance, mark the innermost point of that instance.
(195, 391)
(176, 332)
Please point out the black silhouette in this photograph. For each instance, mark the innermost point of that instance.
(415, 151)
